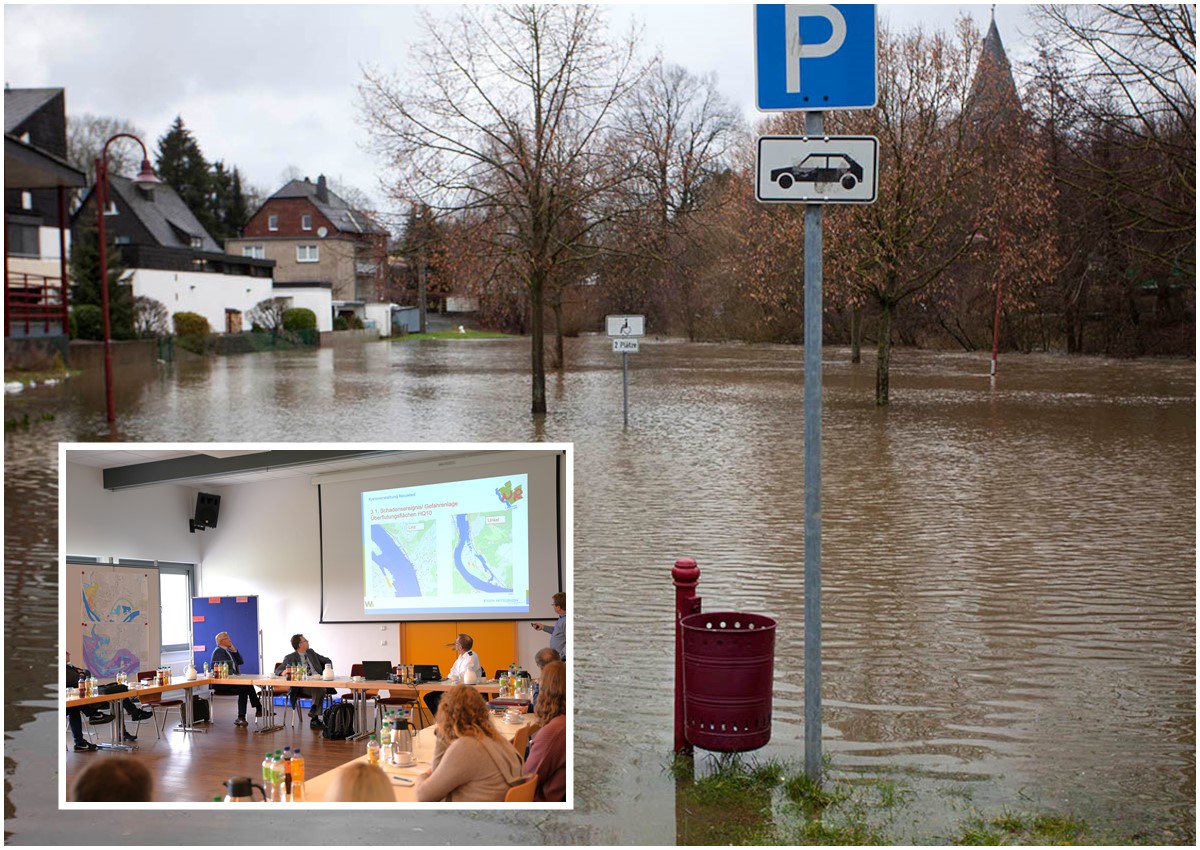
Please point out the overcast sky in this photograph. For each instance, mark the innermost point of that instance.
(272, 86)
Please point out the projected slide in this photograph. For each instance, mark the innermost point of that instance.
(447, 548)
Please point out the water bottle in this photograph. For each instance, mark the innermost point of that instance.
(287, 774)
(297, 777)
(373, 751)
(83, 685)
(277, 777)
(268, 776)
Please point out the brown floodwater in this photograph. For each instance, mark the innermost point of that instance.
(1009, 570)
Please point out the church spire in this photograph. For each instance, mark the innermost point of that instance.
(993, 92)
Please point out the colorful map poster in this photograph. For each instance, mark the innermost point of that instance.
(115, 620)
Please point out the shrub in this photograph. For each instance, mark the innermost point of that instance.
(340, 324)
(89, 321)
(191, 324)
(299, 319)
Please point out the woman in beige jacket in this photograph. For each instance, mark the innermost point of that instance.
(472, 763)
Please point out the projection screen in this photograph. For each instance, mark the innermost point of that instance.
(476, 536)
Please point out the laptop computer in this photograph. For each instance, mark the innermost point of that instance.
(427, 673)
(376, 670)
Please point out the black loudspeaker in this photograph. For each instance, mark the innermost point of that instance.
(208, 506)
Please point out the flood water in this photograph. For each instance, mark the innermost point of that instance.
(1009, 571)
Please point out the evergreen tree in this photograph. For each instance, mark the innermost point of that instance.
(181, 164)
(213, 193)
(85, 272)
(228, 205)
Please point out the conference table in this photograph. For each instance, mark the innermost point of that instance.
(404, 779)
(358, 691)
(267, 684)
(137, 689)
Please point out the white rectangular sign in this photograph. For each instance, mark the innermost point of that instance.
(625, 345)
(817, 169)
(626, 325)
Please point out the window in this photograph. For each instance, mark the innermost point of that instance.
(27, 200)
(306, 221)
(197, 242)
(23, 240)
(272, 222)
(175, 601)
(122, 240)
(111, 209)
(255, 251)
(308, 253)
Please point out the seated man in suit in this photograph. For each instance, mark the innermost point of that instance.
(467, 660)
(315, 661)
(226, 653)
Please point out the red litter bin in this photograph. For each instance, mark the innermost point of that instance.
(728, 671)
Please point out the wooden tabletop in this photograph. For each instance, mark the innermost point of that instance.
(423, 743)
(135, 690)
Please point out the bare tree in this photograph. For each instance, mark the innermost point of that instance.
(86, 135)
(946, 195)
(510, 111)
(681, 131)
(1128, 72)
(150, 317)
(268, 315)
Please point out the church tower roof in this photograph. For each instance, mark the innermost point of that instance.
(993, 92)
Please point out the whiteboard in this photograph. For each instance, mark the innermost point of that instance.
(113, 618)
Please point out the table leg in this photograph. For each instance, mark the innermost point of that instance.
(267, 699)
(360, 712)
(118, 725)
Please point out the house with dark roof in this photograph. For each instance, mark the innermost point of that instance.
(318, 240)
(38, 184)
(170, 257)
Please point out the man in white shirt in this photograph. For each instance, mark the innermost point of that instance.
(467, 660)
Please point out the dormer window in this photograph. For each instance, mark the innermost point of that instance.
(272, 222)
(197, 242)
(306, 221)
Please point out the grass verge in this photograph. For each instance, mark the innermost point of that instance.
(743, 801)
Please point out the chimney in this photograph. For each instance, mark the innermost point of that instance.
(322, 189)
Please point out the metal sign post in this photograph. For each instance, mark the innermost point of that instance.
(814, 124)
(625, 332)
(814, 58)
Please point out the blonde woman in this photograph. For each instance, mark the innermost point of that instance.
(361, 783)
(472, 763)
(548, 753)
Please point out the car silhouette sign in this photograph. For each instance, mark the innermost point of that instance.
(817, 170)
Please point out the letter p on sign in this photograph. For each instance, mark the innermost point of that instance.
(797, 49)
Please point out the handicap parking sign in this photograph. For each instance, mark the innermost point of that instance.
(815, 56)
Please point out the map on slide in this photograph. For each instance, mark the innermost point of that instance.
(483, 547)
(115, 633)
(407, 559)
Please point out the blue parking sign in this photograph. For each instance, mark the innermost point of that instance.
(815, 57)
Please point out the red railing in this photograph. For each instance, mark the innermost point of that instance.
(32, 301)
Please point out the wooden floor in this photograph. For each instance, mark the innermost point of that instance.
(191, 767)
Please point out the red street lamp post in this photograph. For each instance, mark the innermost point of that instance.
(145, 176)
(999, 299)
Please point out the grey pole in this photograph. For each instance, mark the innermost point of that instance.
(625, 384)
(814, 125)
